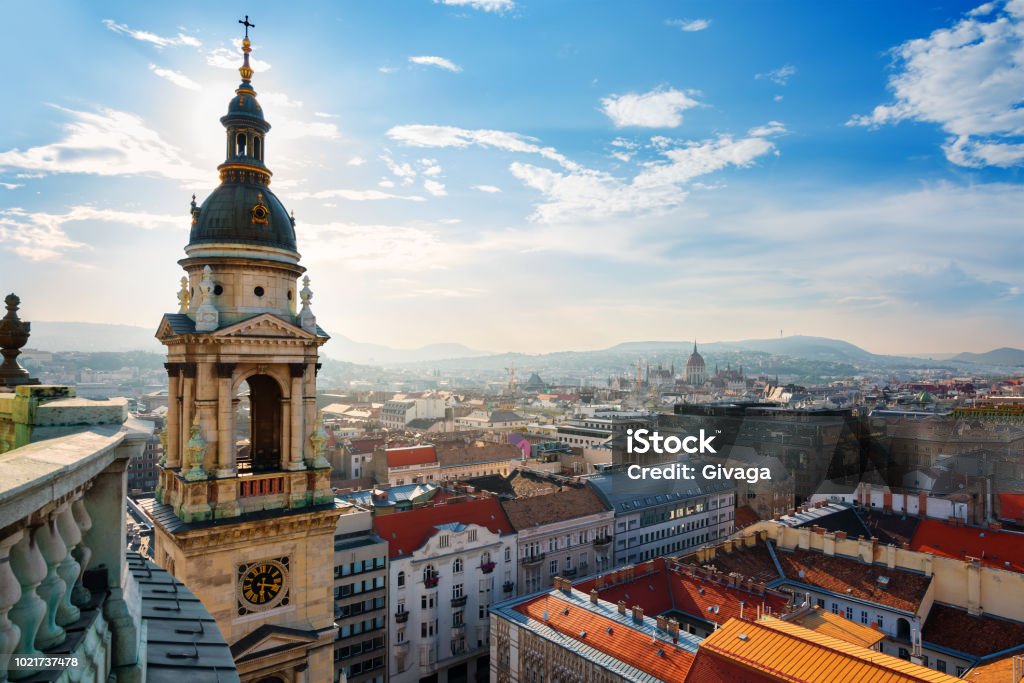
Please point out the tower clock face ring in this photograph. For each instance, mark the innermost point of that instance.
(263, 585)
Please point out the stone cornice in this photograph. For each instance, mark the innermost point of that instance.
(233, 533)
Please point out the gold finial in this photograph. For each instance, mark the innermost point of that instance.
(245, 69)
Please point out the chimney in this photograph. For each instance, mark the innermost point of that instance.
(887, 501)
(840, 535)
(594, 595)
(638, 613)
(622, 606)
(922, 505)
(673, 627)
(662, 623)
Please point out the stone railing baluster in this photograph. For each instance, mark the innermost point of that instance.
(10, 592)
(52, 588)
(69, 569)
(28, 613)
(82, 552)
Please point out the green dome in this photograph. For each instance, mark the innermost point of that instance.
(232, 213)
(244, 105)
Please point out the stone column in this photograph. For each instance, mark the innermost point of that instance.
(52, 589)
(10, 593)
(286, 432)
(298, 430)
(105, 504)
(174, 442)
(28, 612)
(188, 371)
(225, 422)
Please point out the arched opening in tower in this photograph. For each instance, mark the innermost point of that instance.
(258, 437)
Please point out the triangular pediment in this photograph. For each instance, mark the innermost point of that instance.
(173, 325)
(263, 325)
(271, 638)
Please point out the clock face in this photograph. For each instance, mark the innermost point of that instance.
(262, 583)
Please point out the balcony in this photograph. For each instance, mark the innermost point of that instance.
(602, 541)
(68, 587)
(459, 601)
(487, 567)
(431, 581)
(508, 587)
(569, 573)
(532, 559)
(401, 617)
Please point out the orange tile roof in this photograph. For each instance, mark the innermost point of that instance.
(993, 547)
(788, 652)
(623, 643)
(708, 667)
(405, 532)
(829, 624)
(411, 455)
(997, 671)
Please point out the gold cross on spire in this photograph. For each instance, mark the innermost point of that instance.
(246, 24)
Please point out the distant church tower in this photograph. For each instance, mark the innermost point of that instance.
(696, 374)
(244, 513)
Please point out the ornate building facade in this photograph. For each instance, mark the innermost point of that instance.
(696, 373)
(244, 514)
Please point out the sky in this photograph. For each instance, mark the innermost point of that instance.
(535, 176)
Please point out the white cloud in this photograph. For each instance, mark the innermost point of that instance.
(767, 130)
(386, 183)
(356, 161)
(107, 143)
(434, 187)
(968, 79)
(293, 129)
(777, 98)
(152, 38)
(325, 115)
(224, 58)
(420, 135)
(11, 186)
(41, 236)
(659, 108)
(376, 248)
(489, 189)
(354, 195)
(403, 171)
(582, 193)
(175, 77)
(387, 69)
(780, 76)
(498, 6)
(439, 62)
(689, 25)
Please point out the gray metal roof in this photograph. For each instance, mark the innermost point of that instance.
(623, 494)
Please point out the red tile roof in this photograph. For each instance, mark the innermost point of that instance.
(979, 636)
(623, 643)
(745, 516)
(658, 588)
(411, 455)
(364, 445)
(843, 575)
(994, 548)
(405, 532)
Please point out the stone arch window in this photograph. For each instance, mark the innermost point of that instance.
(259, 434)
(428, 572)
(241, 144)
(457, 566)
(401, 579)
(257, 148)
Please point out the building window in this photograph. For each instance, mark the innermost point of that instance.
(457, 565)
(457, 618)
(940, 665)
(553, 567)
(508, 554)
(835, 608)
(863, 616)
(472, 535)
(457, 591)
(849, 613)
(401, 579)
(960, 672)
(445, 541)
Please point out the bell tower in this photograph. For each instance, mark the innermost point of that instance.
(244, 513)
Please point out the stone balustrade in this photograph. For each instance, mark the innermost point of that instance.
(62, 557)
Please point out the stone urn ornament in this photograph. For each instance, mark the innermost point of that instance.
(14, 334)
